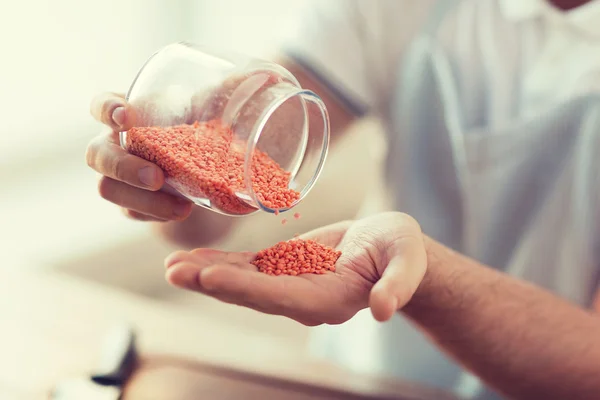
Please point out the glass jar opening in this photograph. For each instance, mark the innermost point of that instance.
(292, 132)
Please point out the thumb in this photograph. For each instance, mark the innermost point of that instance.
(401, 277)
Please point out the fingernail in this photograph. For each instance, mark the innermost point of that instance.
(118, 116)
(148, 176)
(183, 276)
(204, 276)
(172, 259)
(181, 208)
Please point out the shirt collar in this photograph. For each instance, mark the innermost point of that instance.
(518, 10)
(584, 18)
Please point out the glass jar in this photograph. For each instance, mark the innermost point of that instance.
(233, 134)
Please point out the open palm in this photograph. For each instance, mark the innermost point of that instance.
(382, 263)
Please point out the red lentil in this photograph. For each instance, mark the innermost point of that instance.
(297, 215)
(297, 257)
(204, 160)
(283, 221)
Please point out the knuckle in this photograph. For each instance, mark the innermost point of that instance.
(105, 188)
(200, 252)
(409, 221)
(155, 205)
(158, 206)
(179, 256)
(95, 105)
(105, 111)
(131, 214)
(91, 153)
(118, 168)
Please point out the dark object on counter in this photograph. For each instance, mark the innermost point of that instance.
(118, 360)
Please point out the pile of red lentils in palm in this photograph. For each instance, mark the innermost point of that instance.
(297, 257)
(204, 160)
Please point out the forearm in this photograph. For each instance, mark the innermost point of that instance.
(201, 229)
(520, 339)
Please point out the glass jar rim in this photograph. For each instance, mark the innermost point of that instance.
(256, 134)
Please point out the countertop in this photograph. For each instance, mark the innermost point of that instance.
(53, 325)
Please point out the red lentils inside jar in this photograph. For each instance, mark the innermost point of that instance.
(205, 161)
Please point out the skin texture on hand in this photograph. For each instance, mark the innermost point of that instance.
(383, 261)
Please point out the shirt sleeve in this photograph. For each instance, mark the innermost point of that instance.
(352, 46)
(330, 45)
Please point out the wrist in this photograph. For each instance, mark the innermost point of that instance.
(431, 289)
(201, 229)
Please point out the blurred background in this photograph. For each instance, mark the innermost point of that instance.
(56, 55)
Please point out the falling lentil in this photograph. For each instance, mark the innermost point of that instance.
(296, 215)
(204, 160)
(297, 257)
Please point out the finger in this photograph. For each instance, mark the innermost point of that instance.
(156, 204)
(209, 257)
(183, 273)
(187, 275)
(400, 279)
(212, 257)
(177, 257)
(239, 259)
(281, 295)
(141, 217)
(112, 110)
(111, 160)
